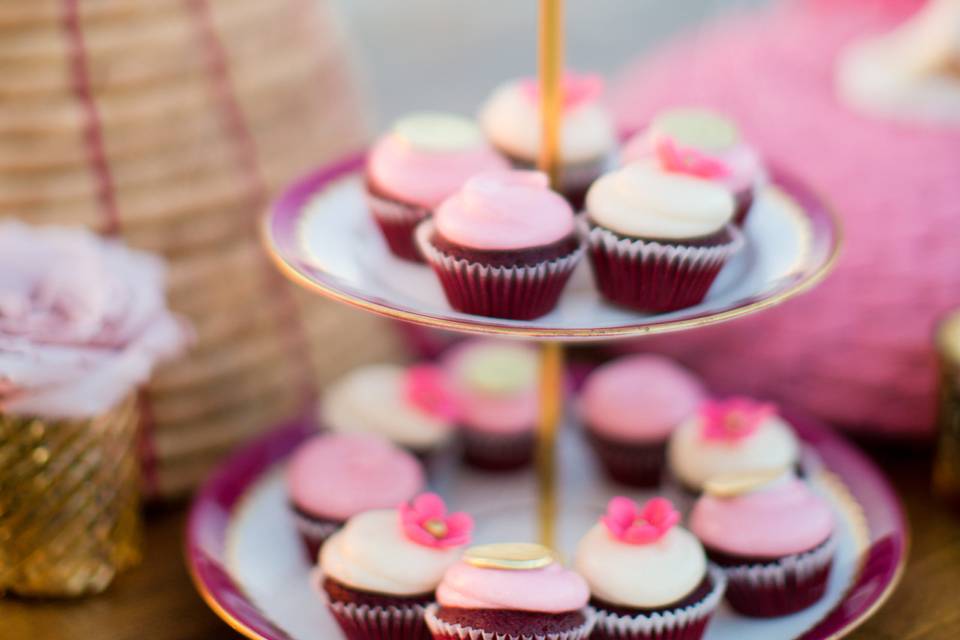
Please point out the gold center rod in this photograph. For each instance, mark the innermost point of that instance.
(551, 360)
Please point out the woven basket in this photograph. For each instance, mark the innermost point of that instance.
(171, 123)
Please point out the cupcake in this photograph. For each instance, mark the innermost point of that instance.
(658, 239)
(407, 405)
(511, 121)
(333, 477)
(706, 143)
(773, 538)
(735, 435)
(496, 384)
(412, 169)
(629, 407)
(503, 246)
(648, 577)
(379, 573)
(510, 592)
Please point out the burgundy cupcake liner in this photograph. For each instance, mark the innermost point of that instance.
(498, 451)
(686, 623)
(515, 293)
(447, 631)
(398, 223)
(314, 533)
(630, 463)
(743, 203)
(780, 588)
(651, 276)
(363, 622)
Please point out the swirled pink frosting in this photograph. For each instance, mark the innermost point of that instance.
(505, 210)
(338, 476)
(83, 321)
(551, 589)
(639, 398)
(775, 521)
(426, 177)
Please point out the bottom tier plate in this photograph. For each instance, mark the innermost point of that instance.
(247, 562)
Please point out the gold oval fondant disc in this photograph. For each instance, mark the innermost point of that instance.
(516, 556)
(734, 484)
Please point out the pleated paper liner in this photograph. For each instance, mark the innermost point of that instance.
(69, 506)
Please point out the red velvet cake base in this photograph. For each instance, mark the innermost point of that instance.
(629, 463)
(511, 623)
(397, 221)
(498, 451)
(371, 616)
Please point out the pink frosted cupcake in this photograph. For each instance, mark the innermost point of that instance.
(379, 573)
(510, 592)
(503, 246)
(773, 538)
(333, 477)
(630, 406)
(510, 118)
(657, 239)
(496, 384)
(411, 170)
(648, 578)
(734, 435)
(684, 138)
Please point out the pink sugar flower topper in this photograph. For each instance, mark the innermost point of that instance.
(428, 388)
(734, 419)
(578, 89)
(677, 159)
(629, 523)
(425, 521)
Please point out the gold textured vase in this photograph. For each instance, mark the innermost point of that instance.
(69, 502)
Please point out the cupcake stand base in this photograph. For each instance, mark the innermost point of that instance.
(247, 561)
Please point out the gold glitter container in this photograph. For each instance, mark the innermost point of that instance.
(69, 502)
(946, 468)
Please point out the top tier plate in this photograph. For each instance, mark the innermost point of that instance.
(321, 236)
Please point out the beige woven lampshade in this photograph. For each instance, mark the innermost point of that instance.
(171, 123)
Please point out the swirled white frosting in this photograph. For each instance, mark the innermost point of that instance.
(371, 553)
(511, 121)
(641, 576)
(371, 399)
(910, 73)
(695, 459)
(643, 201)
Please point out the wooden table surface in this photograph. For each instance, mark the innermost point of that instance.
(156, 601)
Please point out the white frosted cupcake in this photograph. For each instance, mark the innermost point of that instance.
(379, 573)
(736, 435)
(510, 118)
(648, 577)
(409, 406)
(657, 239)
(707, 143)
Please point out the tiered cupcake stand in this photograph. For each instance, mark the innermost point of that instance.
(242, 548)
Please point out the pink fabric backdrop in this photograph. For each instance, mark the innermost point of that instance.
(856, 351)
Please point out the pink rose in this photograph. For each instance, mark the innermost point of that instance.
(734, 419)
(83, 321)
(677, 159)
(425, 521)
(629, 523)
